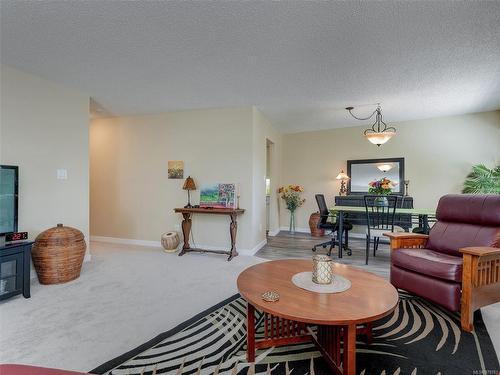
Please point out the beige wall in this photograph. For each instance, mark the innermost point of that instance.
(438, 155)
(131, 196)
(263, 131)
(44, 127)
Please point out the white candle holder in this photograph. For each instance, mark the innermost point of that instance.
(322, 269)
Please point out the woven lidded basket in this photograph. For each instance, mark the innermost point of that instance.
(58, 254)
(170, 241)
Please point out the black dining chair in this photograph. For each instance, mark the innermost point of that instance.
(380, 214)
(323, 223)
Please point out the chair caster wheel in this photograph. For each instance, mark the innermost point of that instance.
(313, 249)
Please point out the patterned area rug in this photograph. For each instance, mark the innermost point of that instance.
(418, 338)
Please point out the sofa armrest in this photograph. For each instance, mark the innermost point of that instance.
(480, 281)
(480, 250)
(396, 235)
(407, 240)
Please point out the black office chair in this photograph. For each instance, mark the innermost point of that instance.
(329, 226)
(380, 215)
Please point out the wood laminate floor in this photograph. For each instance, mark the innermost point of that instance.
(299, 245)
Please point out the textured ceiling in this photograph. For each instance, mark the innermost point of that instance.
(301, 63)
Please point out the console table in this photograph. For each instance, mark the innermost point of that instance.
(186, 228)
(15, 262)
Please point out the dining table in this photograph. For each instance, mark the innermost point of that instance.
(423, 215)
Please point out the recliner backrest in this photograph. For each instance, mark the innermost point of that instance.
(465, 220)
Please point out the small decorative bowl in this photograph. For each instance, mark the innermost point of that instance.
(270, 296)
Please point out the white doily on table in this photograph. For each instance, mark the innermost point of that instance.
(304, 281)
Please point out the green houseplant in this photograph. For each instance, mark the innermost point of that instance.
(482, 180)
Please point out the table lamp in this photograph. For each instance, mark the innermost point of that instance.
(343, 178)
(189, 185)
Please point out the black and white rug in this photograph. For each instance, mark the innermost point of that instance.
(418, 338)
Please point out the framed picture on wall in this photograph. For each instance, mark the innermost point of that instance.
(175, 169)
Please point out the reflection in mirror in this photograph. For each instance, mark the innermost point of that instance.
(362, 172)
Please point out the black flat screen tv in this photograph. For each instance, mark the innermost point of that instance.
(9, 176)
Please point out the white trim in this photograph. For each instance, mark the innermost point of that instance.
(254, 250)
(125, 241)
(87, 257)
(299, 230)
(273, 233)
(129, 241)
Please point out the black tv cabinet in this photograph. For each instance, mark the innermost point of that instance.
(15, 263)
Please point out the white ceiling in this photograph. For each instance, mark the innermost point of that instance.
(301, 63)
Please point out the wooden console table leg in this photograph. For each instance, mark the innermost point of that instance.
(233, 227)
(250, 333)
(186, 229)
(349, 357)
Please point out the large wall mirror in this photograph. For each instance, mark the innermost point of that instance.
(362, 172)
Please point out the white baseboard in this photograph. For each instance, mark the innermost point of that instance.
(125, 241)
(273, 233)
(254, 250)
(299, 230)
(129, 241)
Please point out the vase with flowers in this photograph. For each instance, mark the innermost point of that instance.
(381, 187)
(291, 194)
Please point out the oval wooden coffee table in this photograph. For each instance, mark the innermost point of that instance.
(338, 316)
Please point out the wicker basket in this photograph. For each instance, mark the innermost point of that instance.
(170, 241)
(58, 254)
(313, 225)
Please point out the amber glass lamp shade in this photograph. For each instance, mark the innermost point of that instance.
(189, 185)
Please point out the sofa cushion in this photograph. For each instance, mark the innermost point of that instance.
(429, 262)
(482, 209)
(442, 292)
(449, 237)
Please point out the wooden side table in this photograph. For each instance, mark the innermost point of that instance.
(186, 228)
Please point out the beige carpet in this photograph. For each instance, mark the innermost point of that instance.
(125, 296)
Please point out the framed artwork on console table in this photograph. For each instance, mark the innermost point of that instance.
(218, 196)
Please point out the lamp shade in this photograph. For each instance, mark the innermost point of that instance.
(384, 167)
(342, 176)
(189, 184)
(379, 138)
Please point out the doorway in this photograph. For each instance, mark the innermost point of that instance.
(269, 152)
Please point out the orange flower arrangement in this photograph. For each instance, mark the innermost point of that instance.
(383, 186)
(291, 195)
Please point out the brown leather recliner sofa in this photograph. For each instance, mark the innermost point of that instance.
(458, 264)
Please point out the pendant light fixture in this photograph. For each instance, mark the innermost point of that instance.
(379, 133)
